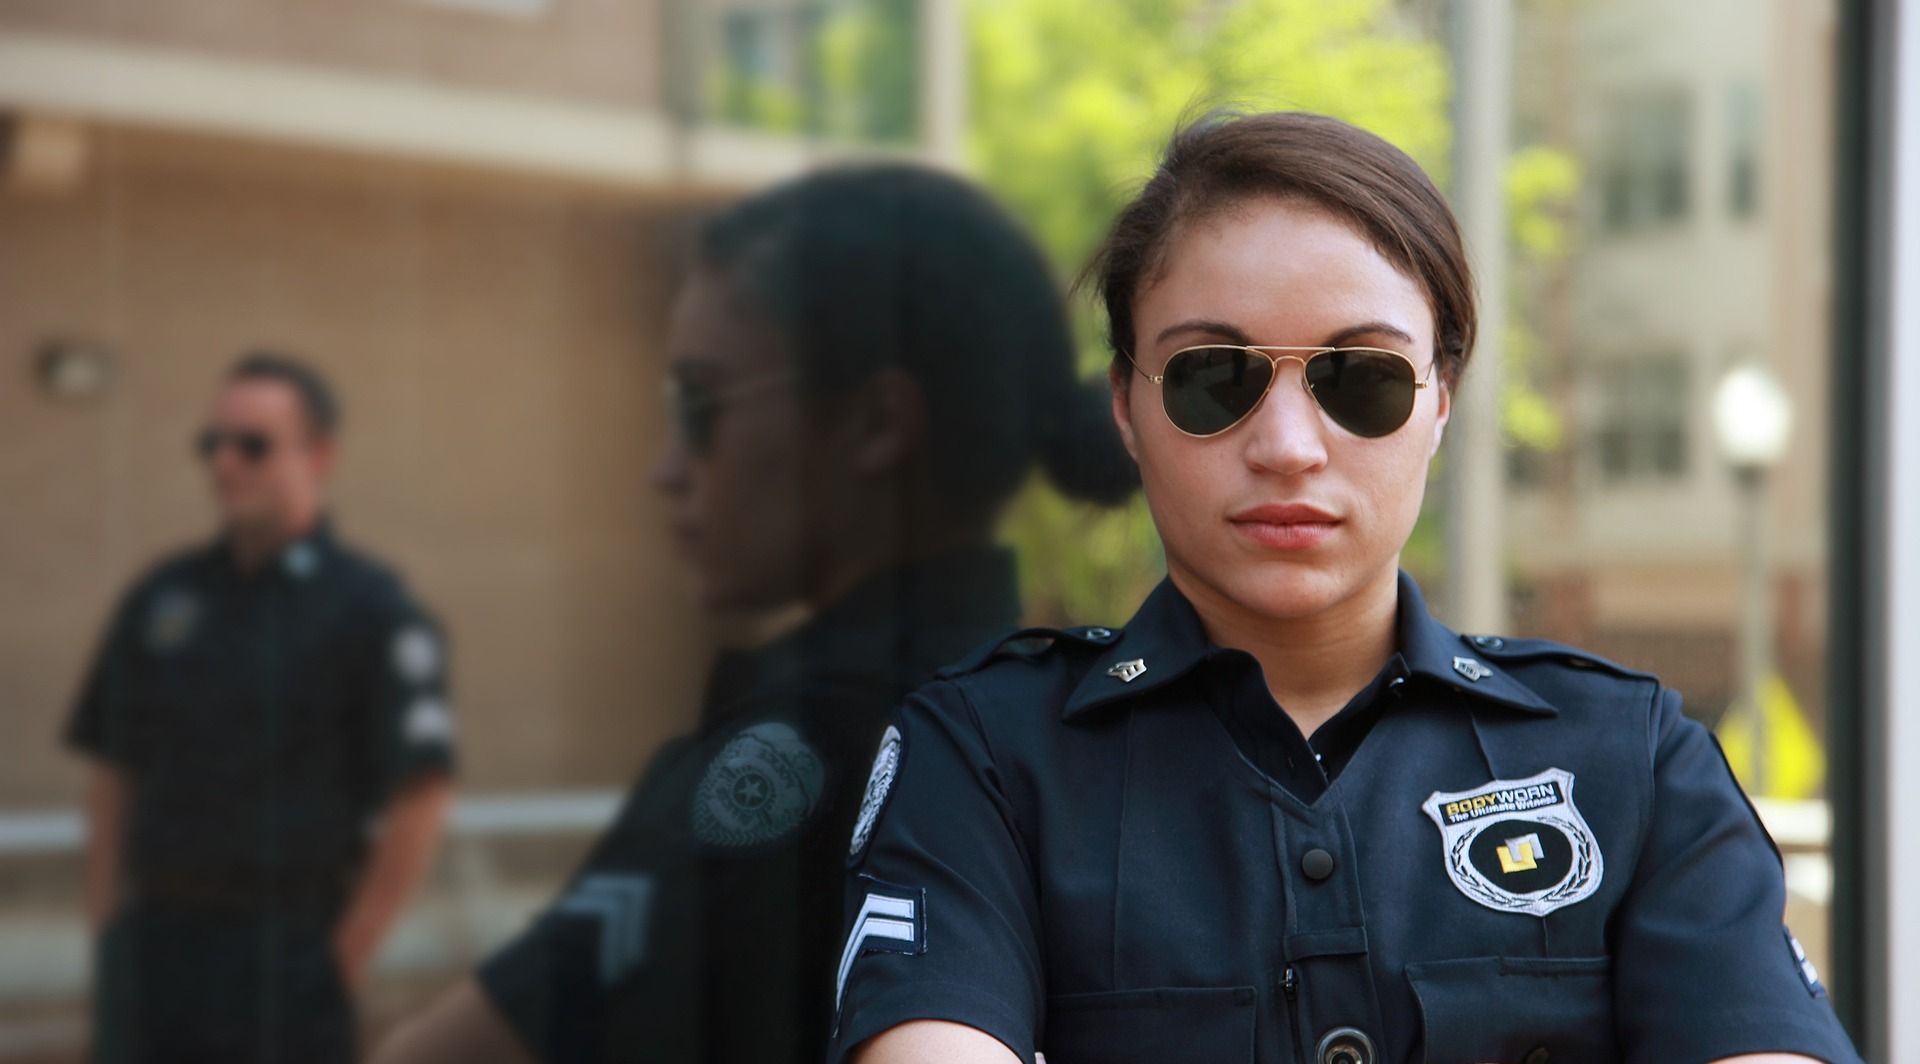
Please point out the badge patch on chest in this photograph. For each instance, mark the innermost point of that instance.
(1518, 846)
(171, 619)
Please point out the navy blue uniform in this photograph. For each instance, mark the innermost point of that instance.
(1112, 846)
(262, 720)
(702, 927)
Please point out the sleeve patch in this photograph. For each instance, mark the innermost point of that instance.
(891, 920)
(886, 766)
(1808, 973)
(416, 654)
(428, 722)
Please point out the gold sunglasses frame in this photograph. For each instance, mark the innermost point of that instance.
(1419, 381)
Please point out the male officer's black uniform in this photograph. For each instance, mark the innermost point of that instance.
(262, 719)
(704, 925)
(1112, 846)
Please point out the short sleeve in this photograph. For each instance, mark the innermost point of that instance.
(96, 726)
(942, 918)
(413, 721)
(1703, 968)
(594, 954)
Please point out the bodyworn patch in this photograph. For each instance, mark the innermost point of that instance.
(1518, 846)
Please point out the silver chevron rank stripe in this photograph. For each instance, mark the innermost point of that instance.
(620, 902)
(888, 923)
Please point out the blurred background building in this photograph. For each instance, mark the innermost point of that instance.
(472, 214)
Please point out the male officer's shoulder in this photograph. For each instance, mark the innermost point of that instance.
(178, 574)
(373, 586)
(1571, 678)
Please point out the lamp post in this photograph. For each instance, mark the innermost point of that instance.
(1752, 418)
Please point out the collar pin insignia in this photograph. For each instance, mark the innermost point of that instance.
(1128, 671)
(1471, 669)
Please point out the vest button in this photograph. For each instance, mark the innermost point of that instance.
(1317, 864)
(1345, 1045)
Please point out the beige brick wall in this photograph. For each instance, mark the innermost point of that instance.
(498, 349)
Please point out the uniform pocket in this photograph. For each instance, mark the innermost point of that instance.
(1168, 1023)
(1523, 1010)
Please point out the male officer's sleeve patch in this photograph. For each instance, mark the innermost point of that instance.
(1808, 973)
(1518, 846)
(891, 920)
(428, 722)
(416, 654)
(886, 766)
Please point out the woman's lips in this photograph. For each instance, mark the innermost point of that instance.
(1290, 526)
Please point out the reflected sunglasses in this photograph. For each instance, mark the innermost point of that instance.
(695, 405)
(251, 446)
(1206, 390)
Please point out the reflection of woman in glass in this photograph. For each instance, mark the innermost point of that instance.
(1285, 815)
(865, 364)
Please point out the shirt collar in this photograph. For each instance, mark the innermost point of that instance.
(1165, 641)
(298, 561)
(302, 558)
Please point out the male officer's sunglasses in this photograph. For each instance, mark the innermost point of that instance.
(1368, 391)
(695, 404)
(251, 446)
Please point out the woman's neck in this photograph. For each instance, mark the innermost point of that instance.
(1313, 664)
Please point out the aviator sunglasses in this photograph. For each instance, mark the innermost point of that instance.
(1368, 391)
(251, 446)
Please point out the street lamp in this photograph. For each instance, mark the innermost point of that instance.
(1752, 419)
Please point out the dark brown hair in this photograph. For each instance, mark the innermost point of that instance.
(317, 400)
(866, 266)
(1224, 159)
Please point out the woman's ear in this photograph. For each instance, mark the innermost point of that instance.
(1120, 384)
(888, 422)
(1440, 417)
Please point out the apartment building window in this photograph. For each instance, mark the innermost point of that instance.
(1744, 122)
(1645, 168)
(1640, 432)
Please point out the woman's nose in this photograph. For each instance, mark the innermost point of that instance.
(1285, 433)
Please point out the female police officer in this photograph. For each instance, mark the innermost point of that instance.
(1285, 815)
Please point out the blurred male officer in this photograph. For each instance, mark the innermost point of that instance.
(259, 705)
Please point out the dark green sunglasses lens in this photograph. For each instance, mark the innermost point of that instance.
(1207, 390)
(1368, 393)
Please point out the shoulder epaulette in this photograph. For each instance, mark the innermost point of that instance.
(1507, 648)
(1029, 643)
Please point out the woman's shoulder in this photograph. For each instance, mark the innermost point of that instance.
(1020, 678)
(1579, 683)
(1518, 651)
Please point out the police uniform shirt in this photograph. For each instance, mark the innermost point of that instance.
(705, 922)
(263, 718)
(1113, 846)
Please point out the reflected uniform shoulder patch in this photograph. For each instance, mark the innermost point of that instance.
(762, 785)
